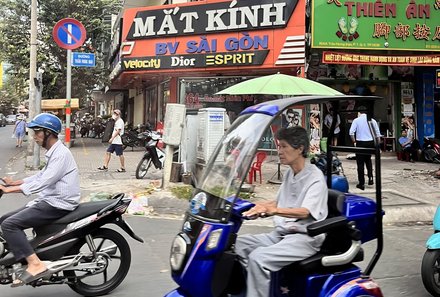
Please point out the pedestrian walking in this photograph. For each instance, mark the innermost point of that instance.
(20, 130)
(115, 143)
(362, 136)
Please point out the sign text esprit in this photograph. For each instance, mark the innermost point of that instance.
(244, 15)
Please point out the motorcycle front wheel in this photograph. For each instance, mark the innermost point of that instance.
(143, 167)
(113, 267)
(431, 272)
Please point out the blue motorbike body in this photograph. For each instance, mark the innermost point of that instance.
(436, 221)
(433, 241)
(207, 271)
(340, 183)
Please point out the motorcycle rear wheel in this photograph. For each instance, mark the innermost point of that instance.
(431, 272)
(143, 167)
(110, 277)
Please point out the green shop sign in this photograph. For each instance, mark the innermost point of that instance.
(379, 25)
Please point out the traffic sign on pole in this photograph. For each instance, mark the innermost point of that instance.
(69, 33)
(83, 59)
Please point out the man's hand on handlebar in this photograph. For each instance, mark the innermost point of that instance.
(7, 180)
(10, 186)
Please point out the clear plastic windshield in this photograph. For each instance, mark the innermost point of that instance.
(229, 165)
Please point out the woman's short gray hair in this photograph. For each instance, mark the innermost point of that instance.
(295, 137)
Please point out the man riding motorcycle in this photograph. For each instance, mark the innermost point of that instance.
(59, 193)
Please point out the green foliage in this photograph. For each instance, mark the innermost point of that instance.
(186, 192)
(15, 47)
(183, 192)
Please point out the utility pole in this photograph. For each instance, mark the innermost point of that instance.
(38, 82)
(32, 87)
(68, 97)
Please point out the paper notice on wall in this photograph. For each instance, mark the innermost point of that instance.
(407, 92)
(408, 109)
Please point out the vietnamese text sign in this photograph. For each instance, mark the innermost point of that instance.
(214, 34)
(381, 25)
(83, 59)
(211, 18)
(428, 105)
(330, 57)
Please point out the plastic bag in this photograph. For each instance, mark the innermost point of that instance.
(13, 135)
(139, 205)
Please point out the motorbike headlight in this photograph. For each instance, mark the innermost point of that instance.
(178, 252)
(213, 239)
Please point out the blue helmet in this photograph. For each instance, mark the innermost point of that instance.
(46, 121)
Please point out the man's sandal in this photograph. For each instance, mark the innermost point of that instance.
(26, 278)
(102, 168)
(121, 170)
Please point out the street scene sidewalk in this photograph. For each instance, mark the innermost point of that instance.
(410, 191)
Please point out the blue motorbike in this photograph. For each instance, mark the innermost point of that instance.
(203, 261)
(431, 260)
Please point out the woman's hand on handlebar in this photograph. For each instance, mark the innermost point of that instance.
(260, 211)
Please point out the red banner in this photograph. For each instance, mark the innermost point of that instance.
(330, 57)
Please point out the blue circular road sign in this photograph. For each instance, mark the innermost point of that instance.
(69, 33)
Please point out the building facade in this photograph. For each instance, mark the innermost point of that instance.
(187, 52)
(385, 48)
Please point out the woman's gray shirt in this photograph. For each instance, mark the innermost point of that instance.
(307, 189)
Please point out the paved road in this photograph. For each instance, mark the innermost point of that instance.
(397, 271)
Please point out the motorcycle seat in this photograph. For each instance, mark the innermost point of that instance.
(83, 210)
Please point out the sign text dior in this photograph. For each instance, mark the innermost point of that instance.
(217, 59)
(244, 15)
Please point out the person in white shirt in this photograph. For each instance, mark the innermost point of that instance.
(362, 137)
(57, 185)
(115, 143)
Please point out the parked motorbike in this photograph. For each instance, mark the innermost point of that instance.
(153, 154)
(133, 138)
(86, 125)
(431, 150)
(78, 250)
(339, 180)
(202, 259)
(431, 259)
(98, 127)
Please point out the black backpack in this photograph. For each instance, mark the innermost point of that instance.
(108, 130)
